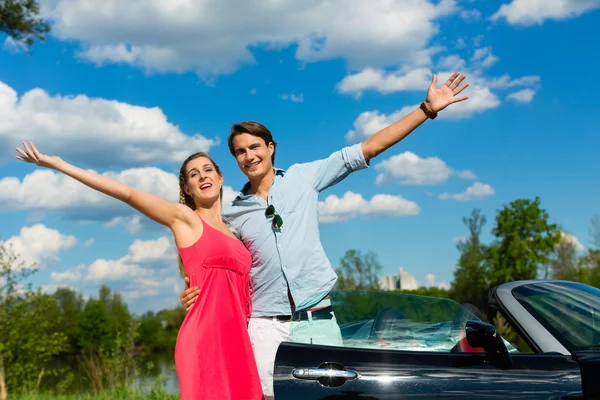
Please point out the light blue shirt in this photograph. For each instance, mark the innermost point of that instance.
(293, 255)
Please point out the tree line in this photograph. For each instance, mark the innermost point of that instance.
(525, 245)
(50, 340)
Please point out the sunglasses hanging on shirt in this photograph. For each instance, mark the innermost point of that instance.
(277, 221)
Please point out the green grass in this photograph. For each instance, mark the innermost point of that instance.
(119, 393)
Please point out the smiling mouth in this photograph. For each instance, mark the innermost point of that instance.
(205, 186)
(253, 165)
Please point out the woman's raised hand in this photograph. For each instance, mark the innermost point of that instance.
(30, 154)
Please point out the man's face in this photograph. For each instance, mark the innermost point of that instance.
(253, 155)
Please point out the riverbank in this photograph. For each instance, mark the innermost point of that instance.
(118, 393)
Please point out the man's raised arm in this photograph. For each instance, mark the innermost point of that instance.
(437, 99)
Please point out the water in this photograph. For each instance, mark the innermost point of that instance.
(156, 370)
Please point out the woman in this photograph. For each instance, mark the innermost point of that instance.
(213, 355)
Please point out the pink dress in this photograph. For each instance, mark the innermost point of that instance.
(213, 354)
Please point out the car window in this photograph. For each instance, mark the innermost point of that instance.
(568, 310)
(386, 320)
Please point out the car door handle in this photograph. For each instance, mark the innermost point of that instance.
(318, 373)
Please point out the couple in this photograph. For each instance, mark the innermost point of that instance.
(254, 264)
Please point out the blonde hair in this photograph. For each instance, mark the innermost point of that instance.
(188, 200)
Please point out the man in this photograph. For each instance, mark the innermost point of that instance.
(275, 215)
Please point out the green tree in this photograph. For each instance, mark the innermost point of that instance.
(28, 336)
(21, 21)
(431, 291)
(595, 232)
(470, 284)
(589, 263)
(358, 271)
(119, 313)
(158, 332)
(564, 263)
(120, 316)
(94, 330)
(150, 332)
(524, 241)
(69, 304)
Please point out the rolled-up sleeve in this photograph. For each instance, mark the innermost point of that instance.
(330, 171)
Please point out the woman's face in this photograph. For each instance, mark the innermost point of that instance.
(203, 181)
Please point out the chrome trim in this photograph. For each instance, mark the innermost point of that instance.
(317, 373)
(542, 338)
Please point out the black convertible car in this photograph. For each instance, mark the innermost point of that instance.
(398, 346)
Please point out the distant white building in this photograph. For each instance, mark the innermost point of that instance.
(389, 282)
(403, 281)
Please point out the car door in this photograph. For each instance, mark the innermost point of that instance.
(418, 358)
(556, 316)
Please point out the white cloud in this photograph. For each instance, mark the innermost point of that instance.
(535, 12)
(522, 96)
(103, 270)
(68, 276)
(229, 195)
(96, 132)
(452, 62)
(476, 191)
(506, 82)
(12, 46)
(44, 189)
(410, 169)
(133, 224)
(51, 288)
(430, 278)
(213, 36)
(39, 244)
(484, 58)
(460, 239)
(335, 209)
(471, 15)
(149, 287)
(567, 237)
(385, 82)
(138, 294)
(293, 97)
(481, 90)
(148, 268)
(431, 282)
(48, 190)
(466, 174)
(89, 242)
(150, 253)
(371, 122)
(480, 99)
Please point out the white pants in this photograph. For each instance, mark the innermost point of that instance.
(266, 333)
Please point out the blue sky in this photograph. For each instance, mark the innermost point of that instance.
(131, 90)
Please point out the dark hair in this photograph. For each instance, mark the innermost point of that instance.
(254, 129)
(185, 198)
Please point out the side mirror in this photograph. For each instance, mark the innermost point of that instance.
(480, 334)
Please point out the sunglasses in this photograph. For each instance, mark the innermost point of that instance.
(277, 221)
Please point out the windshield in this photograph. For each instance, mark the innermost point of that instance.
(569, 311)
(393, 321)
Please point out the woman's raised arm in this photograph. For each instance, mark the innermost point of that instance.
(157, 209)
